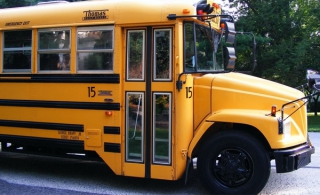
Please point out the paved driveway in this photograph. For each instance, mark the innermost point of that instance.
(25, 174)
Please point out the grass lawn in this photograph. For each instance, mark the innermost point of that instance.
(314, 122)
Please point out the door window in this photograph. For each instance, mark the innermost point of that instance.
(135, 54)
(162, 128)
(162, 54)
(134, 126)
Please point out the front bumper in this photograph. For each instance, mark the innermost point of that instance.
(294, 158)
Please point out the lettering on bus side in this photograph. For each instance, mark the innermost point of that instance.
(92, 92)
(95, 14)
(17, 23)
(70, 135)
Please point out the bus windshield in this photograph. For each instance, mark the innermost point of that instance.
(202, 52)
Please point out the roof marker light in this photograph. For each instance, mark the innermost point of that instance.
(186, 11)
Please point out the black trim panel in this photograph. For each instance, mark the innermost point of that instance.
(294, 158)
(61, 78)
(42, 125)
(47, 142)
(112, 147)
(61, 104)
(111, 130)
(148, 104)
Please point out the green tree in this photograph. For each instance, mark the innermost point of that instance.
(287, 33)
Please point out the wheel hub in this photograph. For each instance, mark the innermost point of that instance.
(233, 167)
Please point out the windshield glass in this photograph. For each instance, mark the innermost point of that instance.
(202, 51)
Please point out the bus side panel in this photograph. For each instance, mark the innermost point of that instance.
(71, 113)
(183, 125)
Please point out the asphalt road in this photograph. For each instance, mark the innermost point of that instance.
(28, 174)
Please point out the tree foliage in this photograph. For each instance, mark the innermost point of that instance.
(288, 37)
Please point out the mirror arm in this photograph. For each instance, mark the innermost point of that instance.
(254, 44)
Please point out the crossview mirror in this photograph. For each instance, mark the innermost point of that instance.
(230, 34)
(230, 58)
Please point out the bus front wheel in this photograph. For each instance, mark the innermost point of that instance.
(233, 162)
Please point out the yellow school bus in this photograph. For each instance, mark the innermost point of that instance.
(147, 87)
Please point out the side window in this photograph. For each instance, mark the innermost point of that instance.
(54, 49)
(204, 49)
(17, 47)
(189, 45)
(95, 48)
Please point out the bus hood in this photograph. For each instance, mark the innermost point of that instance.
(244, 99)
(241, 91)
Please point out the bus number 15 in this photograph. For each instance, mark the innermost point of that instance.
(188, 92)
(91, 92)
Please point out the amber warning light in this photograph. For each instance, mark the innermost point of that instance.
(273, 110)
(223, 25)
(215, 5)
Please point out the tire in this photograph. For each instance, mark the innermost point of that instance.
(233, 162)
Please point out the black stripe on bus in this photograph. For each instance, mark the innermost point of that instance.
(42, 125)
(47, 142)
(111, 147)
(111, 130)
(61, 104)
(61, 78)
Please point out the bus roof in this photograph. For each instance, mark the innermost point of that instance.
(124, 12)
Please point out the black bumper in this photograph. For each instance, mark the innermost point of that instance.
(294, 158)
